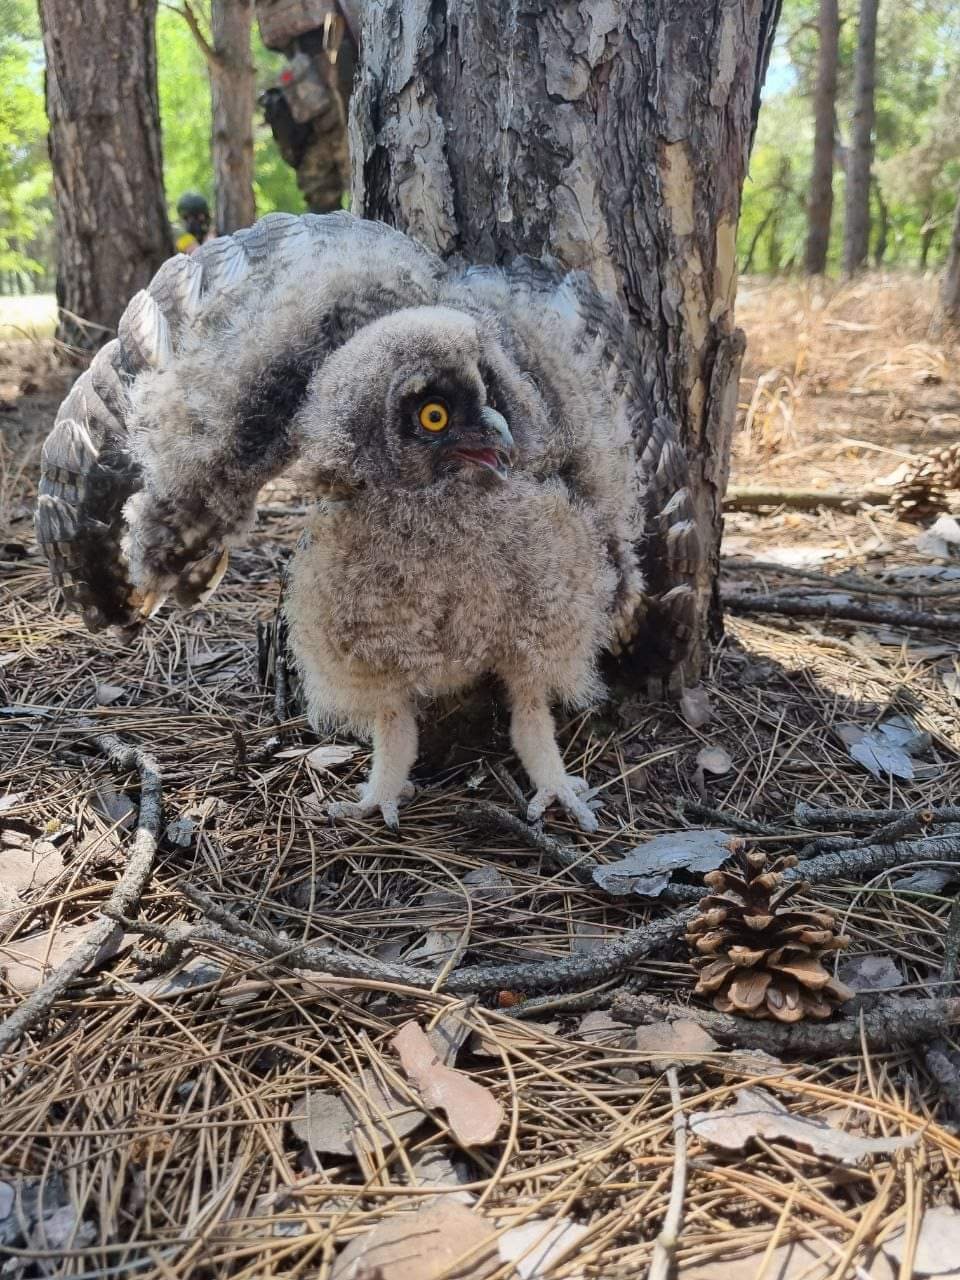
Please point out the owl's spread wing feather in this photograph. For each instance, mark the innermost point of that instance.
(210, 364)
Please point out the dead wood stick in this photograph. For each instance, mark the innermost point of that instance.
(893, 1021)
(839, 581)
(664, 1251)
(862, 862)
(809, 815)
(561, 856)
(233, 934)
(126, 894)
(746, 498)
(851, 611)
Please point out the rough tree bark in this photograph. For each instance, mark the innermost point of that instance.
(614, 137)
(820, 204)
(112, 228)
(950, 289)
(856, 227)
(233, 96)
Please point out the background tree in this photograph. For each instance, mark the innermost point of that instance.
(616, 142)
(112, 228)
(225, 44)
(856, 225)
(950, 289)
(820, 205)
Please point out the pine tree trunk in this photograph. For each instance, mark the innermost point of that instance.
(856, 230)
(820, 205)
(950, 288)
(112, 228)
(233, 92)
(614, 137)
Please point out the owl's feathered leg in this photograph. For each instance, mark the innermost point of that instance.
(394, 754)
(533, 734)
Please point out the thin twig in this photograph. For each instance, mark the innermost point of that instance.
(830, 607)
(122, 901)
(744, 498)
(810, 815)
(893, 1021)
(560, 856)
(664, 1251)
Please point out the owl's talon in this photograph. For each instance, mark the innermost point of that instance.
(570, 794)
(367, 804)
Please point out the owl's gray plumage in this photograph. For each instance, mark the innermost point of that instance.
(486, 477)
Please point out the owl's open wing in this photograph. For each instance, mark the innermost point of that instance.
(186, 414)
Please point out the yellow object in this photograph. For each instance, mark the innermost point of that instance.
(433, 416)
(187, 243)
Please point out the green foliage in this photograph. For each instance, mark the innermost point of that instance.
(26, 211)
(917, 166)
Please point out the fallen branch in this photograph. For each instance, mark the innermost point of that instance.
(744, 498)
(665, 1248)
(848, 611)
(232, 934)
(862, 862)
(838, 581)
(893, 1021)
(126, 894)
(809, 815)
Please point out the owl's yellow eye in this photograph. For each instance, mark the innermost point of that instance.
(433, 416)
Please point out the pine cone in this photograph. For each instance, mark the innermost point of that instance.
(923, 490)
(758, 955)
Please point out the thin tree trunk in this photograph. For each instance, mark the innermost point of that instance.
(856, 230)
(112, 228)
(233, 90)
(820, 205)
(883, 226)
(950, 289)
(614, 137)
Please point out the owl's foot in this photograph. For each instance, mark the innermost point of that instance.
(369, 800)
(570, 793)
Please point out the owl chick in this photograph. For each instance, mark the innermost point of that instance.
(473, 442)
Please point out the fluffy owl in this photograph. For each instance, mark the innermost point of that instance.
(475, 438)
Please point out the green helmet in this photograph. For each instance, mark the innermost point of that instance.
(192, 203)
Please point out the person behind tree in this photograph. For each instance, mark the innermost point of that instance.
(194, 212)
(307, 110)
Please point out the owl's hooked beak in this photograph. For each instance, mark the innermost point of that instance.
(497, 456)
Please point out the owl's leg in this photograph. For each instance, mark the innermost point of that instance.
(394, 753)
(533, 734)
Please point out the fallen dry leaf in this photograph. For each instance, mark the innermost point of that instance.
(30, 867)
(801, 1260)
(683, 1037)
(758, 1114)
(714, 760)
(646, 870)
(108, 694)
(27, 962)
(938, 1244)
(442, 1239)
(324, 1122)
(536, 1246)
(871, 973)
(696, 707)
(598, 1026)
(381, 1116)
(11, 799)
(112, 806)
(326, 757)
(473, 1113)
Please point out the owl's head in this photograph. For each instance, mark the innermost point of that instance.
(422, 396)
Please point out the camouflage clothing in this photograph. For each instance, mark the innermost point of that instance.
(307, 111)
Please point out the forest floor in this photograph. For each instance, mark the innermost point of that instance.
(234, 1117)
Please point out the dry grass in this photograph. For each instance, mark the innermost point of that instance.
(843, 381)
(165, 1116)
